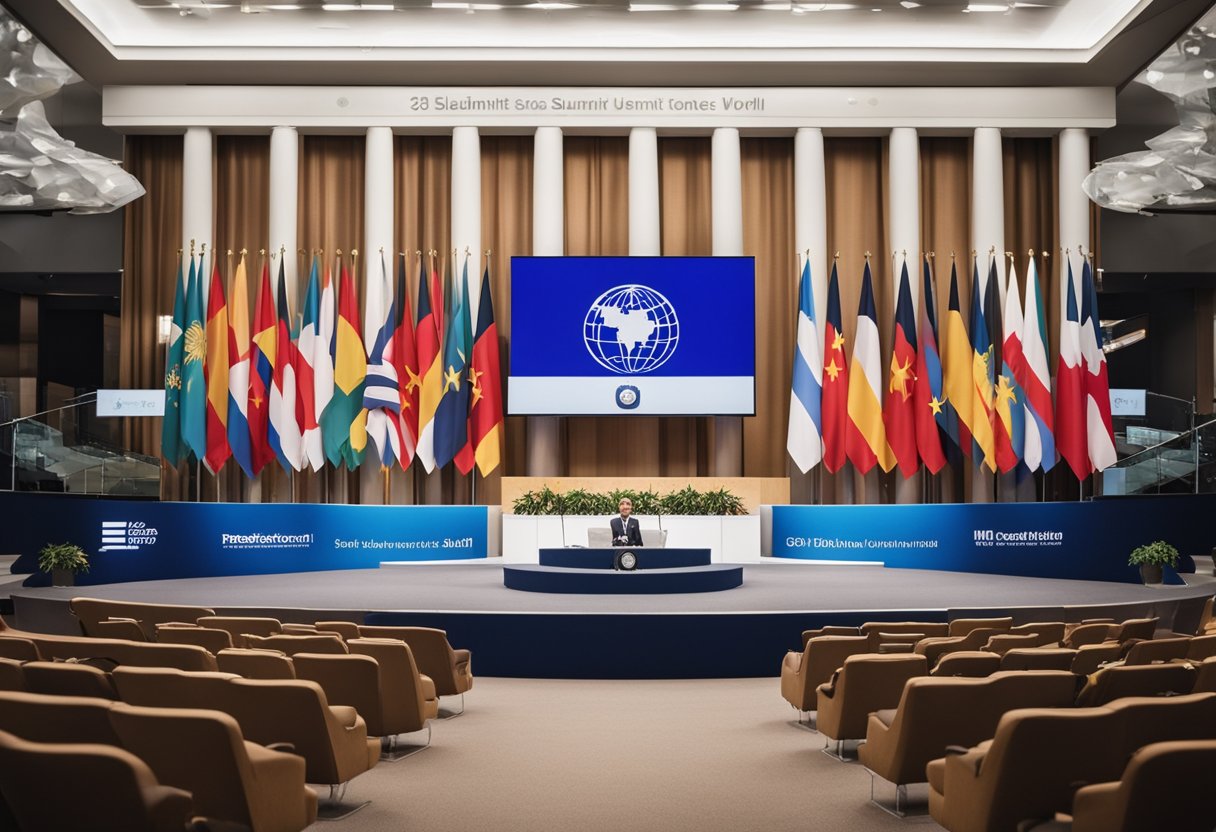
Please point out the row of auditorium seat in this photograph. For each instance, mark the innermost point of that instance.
(911, 708)
(979, 647)
(142, 768)
(316, 690)
(195, 644)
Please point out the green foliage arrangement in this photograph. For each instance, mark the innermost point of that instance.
(1157, 553)
(65, 556)
(685, 501)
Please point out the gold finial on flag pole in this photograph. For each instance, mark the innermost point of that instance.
(191, 246)
(836, 256)
(867, 256)
(1030, 252)
(338, 252)
(932, 255)
(179, 253)
(951, 254)
(203, 250)
(244, 251)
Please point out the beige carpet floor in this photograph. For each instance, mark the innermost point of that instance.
(719, 755)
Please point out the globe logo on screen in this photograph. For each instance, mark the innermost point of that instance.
(631, 329)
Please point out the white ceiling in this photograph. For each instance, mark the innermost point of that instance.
(762, 42)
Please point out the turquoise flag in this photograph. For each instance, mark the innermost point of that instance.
(171, 446)
(194, 386)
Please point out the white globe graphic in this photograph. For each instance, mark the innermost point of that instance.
(631, 329)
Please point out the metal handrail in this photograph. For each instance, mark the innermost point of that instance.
(1180, 436)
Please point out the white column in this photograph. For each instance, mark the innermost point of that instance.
(377, 215)
(988, 203)
(726, 205)
(811, 211)
(645, 233)
(197, 193)
(903, 173)
(1074, 207)
(987, 232)
(284, 199)
(548, 240)
(377, 237)
(466, 209)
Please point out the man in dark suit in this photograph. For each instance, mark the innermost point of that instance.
(625, 529)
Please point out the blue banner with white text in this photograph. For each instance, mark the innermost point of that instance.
(1083, 540)
(135, 540)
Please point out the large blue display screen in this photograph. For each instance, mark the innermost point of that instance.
(632, 335)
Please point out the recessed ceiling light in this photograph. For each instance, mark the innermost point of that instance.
(987, 7)
(543, 6)
(378, 7)
(714, 7)
(652, 7)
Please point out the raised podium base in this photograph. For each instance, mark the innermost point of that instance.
(562, 580)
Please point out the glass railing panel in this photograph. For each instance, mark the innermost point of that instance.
(70, 450)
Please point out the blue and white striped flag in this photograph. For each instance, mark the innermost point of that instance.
(381, 395)
(804, 440)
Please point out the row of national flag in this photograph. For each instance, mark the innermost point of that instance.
(981, 388)
(314, 388)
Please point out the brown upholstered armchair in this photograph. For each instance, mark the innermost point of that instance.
(865, 683)
(802, 673)
(230, 779)
(112, 789)
(450, 669)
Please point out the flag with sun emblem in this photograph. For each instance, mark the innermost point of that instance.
(194, 384)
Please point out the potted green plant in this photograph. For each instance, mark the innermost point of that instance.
(63, 561)
(1151, 557)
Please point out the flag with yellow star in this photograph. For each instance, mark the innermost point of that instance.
(928, 398)
(262, 352)
(1010, 422)
(452, 414)
(485, 378)
(899, 408)
(834, 402)
(405, 362)
(983, 377)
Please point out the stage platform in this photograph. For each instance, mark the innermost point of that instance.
(741, 632)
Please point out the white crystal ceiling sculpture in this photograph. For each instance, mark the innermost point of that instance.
(39, 169)
(1179, 167)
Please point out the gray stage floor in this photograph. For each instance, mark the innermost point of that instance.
(775, 588)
